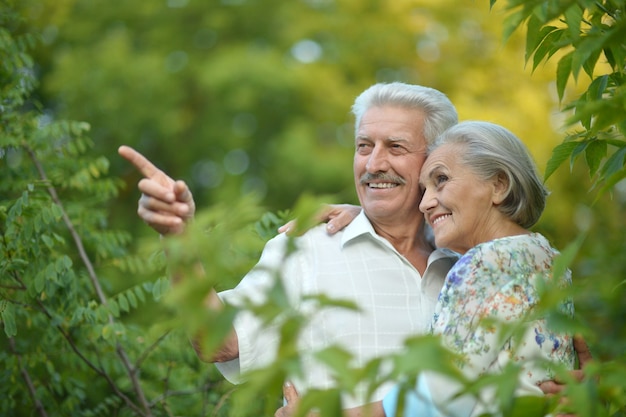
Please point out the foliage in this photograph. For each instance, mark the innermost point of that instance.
(588, 36)
(68, 344)
(585, 36)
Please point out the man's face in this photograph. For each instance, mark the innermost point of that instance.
(390, 152)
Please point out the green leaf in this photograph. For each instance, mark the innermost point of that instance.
(140, 294)
(580, 148)
(511, 23)
(586, 55)
(123, 302)
(559, 154)
(534, 36)
(107, 331)
(8, 318)
(160, 287)
(595, 152)
(548, 46)
(573, 17)
(40, 282)
(47, 241)
(528, 406)
(433, 356)
(564, 68)
(132, 299)
(321, 402)
(614, 164)
(610, 182)
(114, 308)
(596, 89)
(564, 260)
(590, 63)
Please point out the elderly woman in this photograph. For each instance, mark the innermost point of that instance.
(481, 194)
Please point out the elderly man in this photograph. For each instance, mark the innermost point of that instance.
(382, 261)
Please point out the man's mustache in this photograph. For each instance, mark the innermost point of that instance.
(382, 176)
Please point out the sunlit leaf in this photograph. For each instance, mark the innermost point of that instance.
(610, 182)
(573, 17)
(559, 154)
(8, 318)
(564, 69)
(614, 163)
(595, 152)
(566, 257)
(511, 23)
(123, 303)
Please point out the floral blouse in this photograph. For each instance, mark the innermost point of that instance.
(498, 279)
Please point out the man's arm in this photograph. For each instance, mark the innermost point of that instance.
(229, 349)
(166, 205)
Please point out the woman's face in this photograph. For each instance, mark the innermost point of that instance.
(460, 206)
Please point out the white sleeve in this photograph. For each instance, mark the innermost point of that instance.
(258, 343)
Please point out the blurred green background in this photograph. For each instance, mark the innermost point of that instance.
(249, 96)
(238, 96)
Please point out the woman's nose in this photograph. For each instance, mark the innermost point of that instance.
(428, 201)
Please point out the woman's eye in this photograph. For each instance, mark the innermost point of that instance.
(441, 178)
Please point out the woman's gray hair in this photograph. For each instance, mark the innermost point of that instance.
(439, 111)
(492, 150)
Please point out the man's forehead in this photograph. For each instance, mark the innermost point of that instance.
(392, 114)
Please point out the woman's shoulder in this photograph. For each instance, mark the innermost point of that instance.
(510, 245)
(509, 256)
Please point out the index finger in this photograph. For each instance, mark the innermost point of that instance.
(147, 168)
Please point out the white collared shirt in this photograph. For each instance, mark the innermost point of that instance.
(355, 265)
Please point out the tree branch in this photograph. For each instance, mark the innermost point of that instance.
(132, 373)
(29, 382)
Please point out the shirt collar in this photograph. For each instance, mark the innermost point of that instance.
(358, 227)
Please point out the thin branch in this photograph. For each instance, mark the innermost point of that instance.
(180, 393)
(68, 223)
(132, 373)
(9, 256)
(74, 347)
(149, 350)
(29, 382)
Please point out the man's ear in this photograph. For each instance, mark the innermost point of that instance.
(501, 188)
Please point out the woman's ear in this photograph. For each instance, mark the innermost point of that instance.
(501, 188)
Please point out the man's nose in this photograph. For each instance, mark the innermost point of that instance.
(378, 161)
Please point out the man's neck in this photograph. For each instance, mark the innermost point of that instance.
(410, 241)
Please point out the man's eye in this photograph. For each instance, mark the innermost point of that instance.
(363, 148)
(439, 179)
